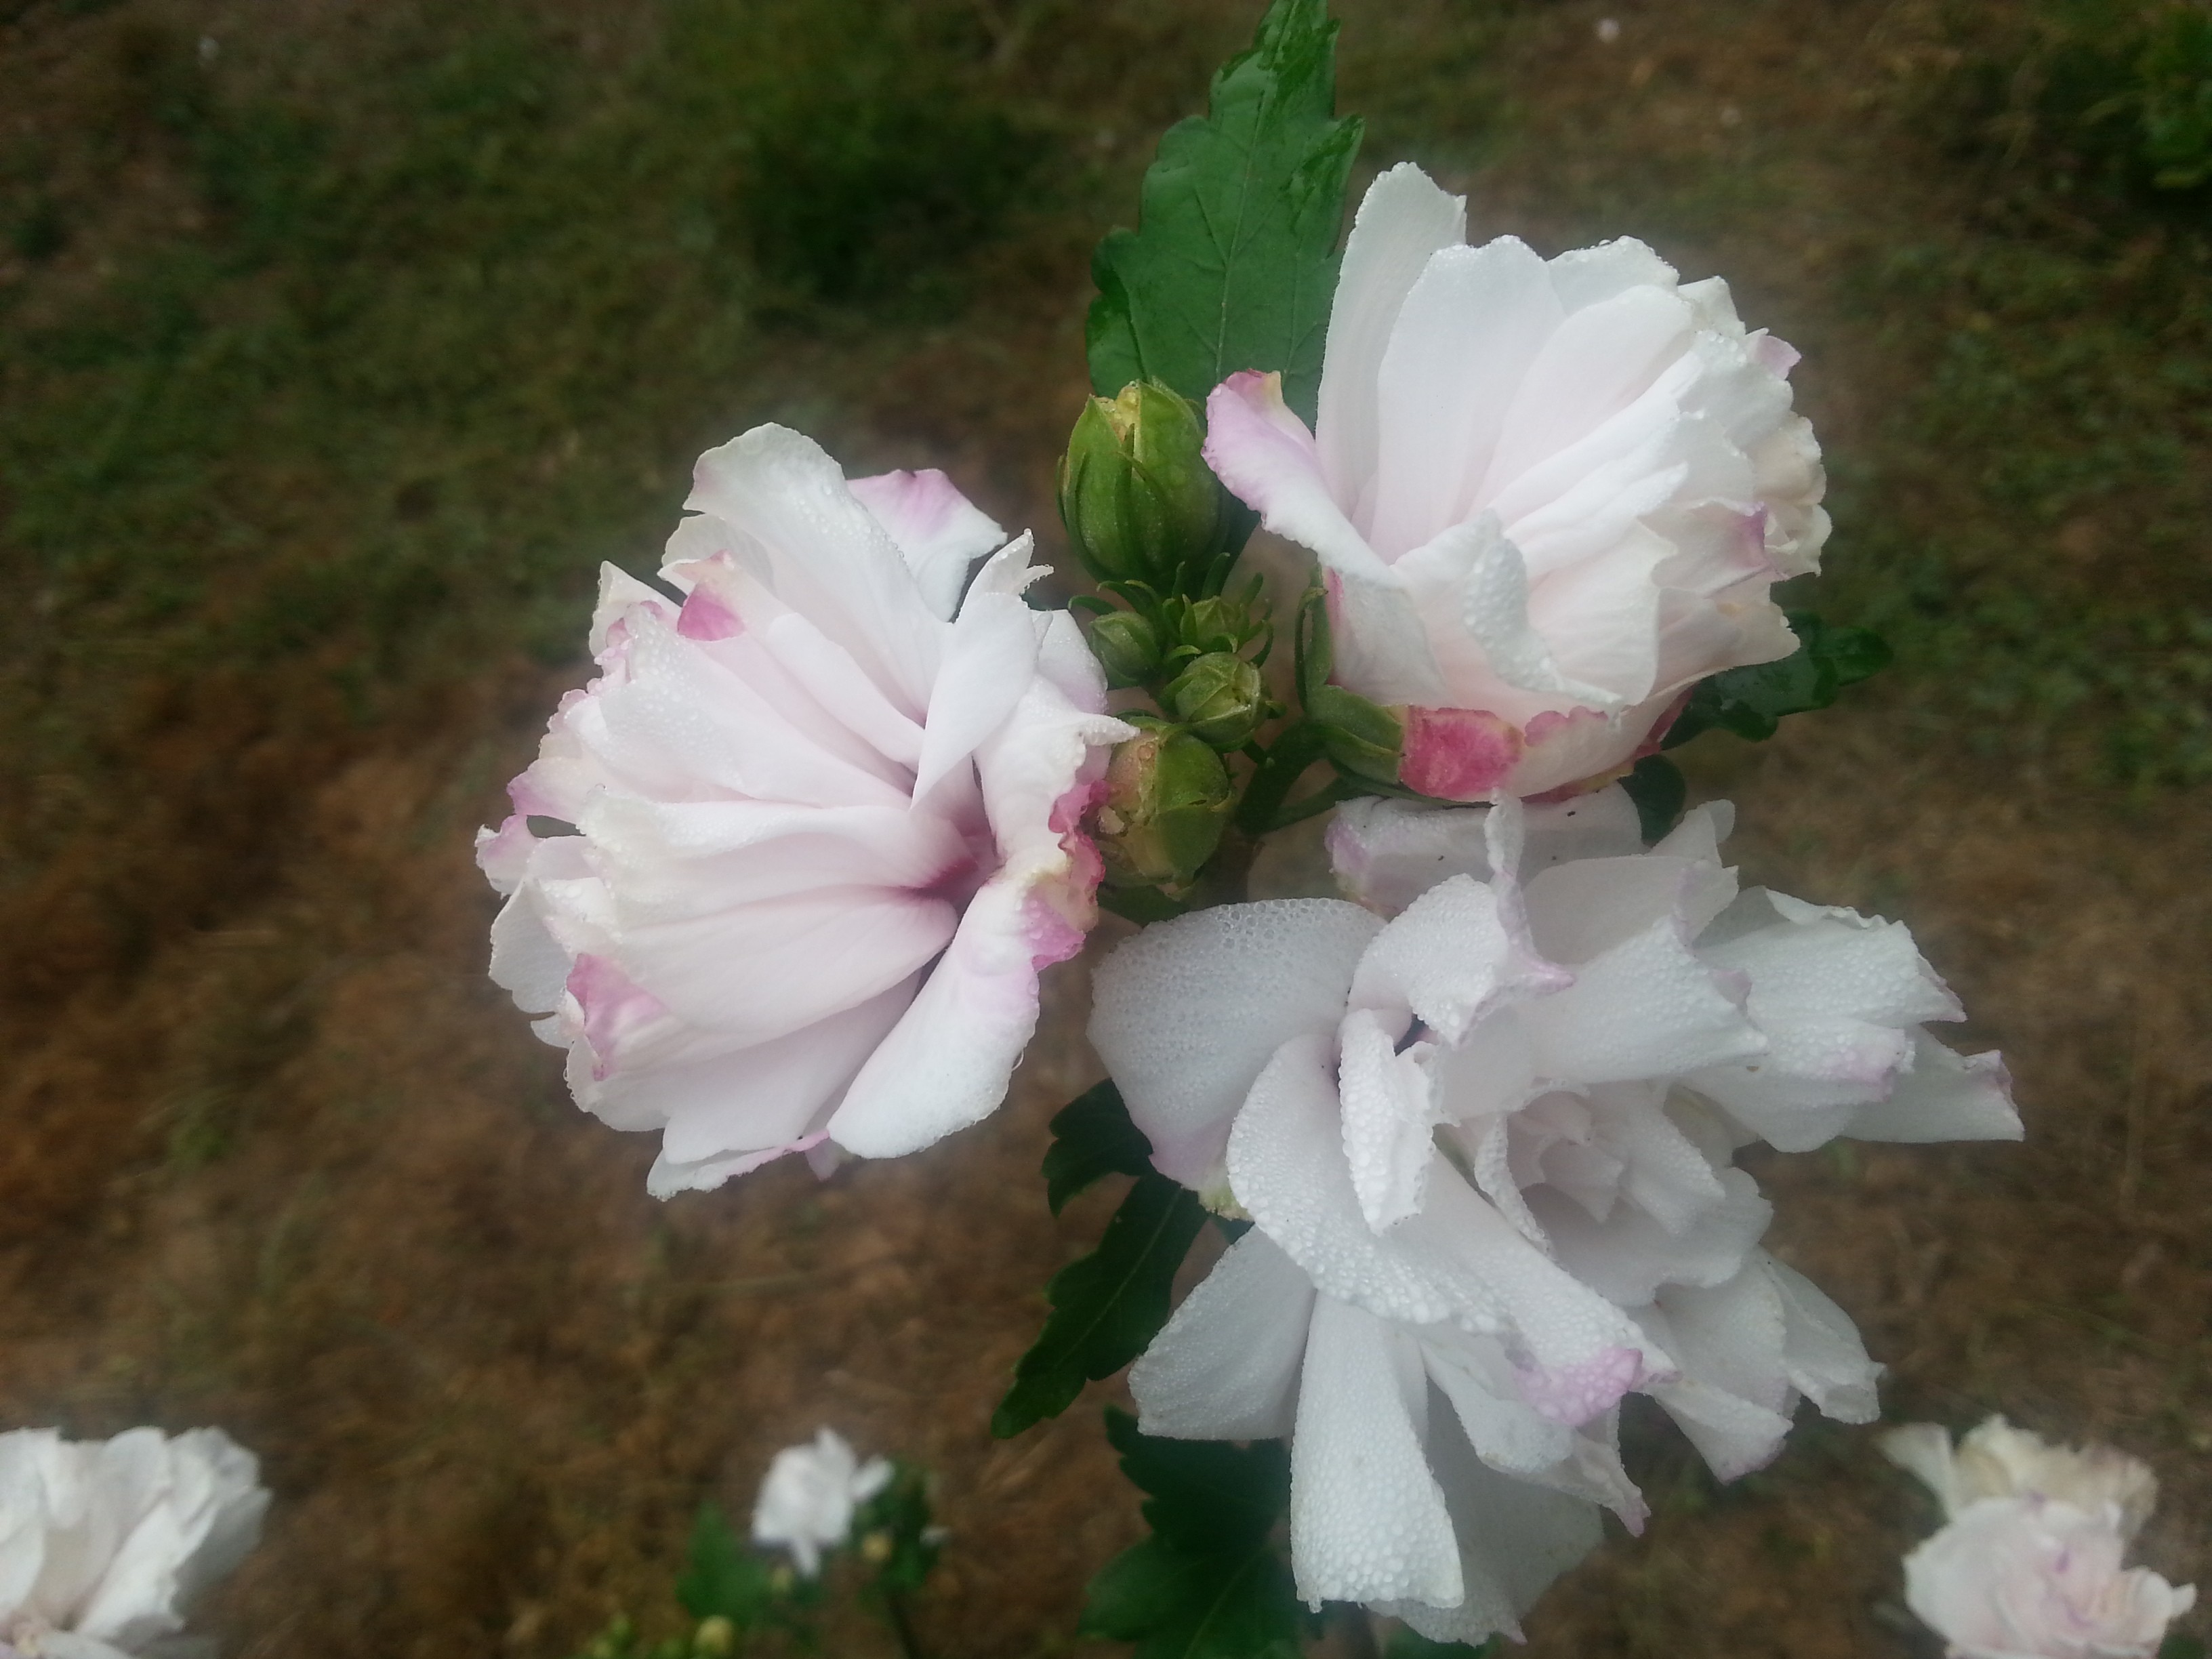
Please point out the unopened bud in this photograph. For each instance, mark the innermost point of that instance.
(1134, 490)
(1167, 801)
(1215, 624)
(876, 1549)
(715, 1638)
(1359, 736)
(1128, 647)
(1220, 698)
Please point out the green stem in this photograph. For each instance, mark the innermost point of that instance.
(902, 1624)
(1330, 794)
(1292, 752)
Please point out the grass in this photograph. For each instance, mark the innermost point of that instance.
(2030, 532)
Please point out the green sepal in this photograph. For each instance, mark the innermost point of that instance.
(1234, 263)
(1106, 1306)
(1092, 1138)
(1361, 738)
(1656, 784)
(1210, 1583)
(1752, 702)
(1142, 905)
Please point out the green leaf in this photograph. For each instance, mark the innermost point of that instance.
(1408, 1644)
(1091, 1138)
(1656, 785)
(1105, 1307)
(2179, 1646)
(1751, 701)
(1210, 1583)
(724, 1577)
(1203, 1491)
(1234, 263)
(1183, 1604)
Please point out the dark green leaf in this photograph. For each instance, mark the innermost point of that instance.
(1105, 1307)
(1183, 1604)
(1234, 263)
(1210, 1583)
(2179, 1646)
(1657, 786)
(1203, 1491)
(724, 1577)
(1092, 1137)
(1751, 701)
(1408, 1644)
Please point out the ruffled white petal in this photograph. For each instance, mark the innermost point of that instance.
(1186, 1014)
(1368, 1517)
(939, 530)
(824, 816)
(1226, 1365)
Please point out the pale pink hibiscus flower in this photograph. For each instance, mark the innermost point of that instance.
(782, 879)
(2027, 1564)
(1487, 1139)
(1548, 496)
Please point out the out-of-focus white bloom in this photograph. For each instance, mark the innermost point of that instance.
(1998, 1460)
(814, 825)
(1487, 1146)
(2027, 1563)
(103, 1544)
(1548, 496)
(807, 1501)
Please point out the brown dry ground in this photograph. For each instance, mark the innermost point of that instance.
(490, 1380)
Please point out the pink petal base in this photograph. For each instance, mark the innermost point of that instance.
(1574, 1393)
(1458, 754)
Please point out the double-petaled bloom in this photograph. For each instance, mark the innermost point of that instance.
(1486, 1139)
(783, 877)
(2026, 1564)
(103, 1544)
(1547, 496)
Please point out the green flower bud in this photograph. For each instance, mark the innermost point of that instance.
(1361, 738)
(715, 1638)
(1167, 802)
(1220, 697)
(1215, 624)
(1135, 492)
(1128, 647)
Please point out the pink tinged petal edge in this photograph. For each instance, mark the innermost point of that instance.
(1458, 754)
(1777, 357)
(1583, 1389)
(1063, 911)
(612, 1008)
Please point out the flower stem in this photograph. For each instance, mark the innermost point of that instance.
(1286, 762)
(901, 1622)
